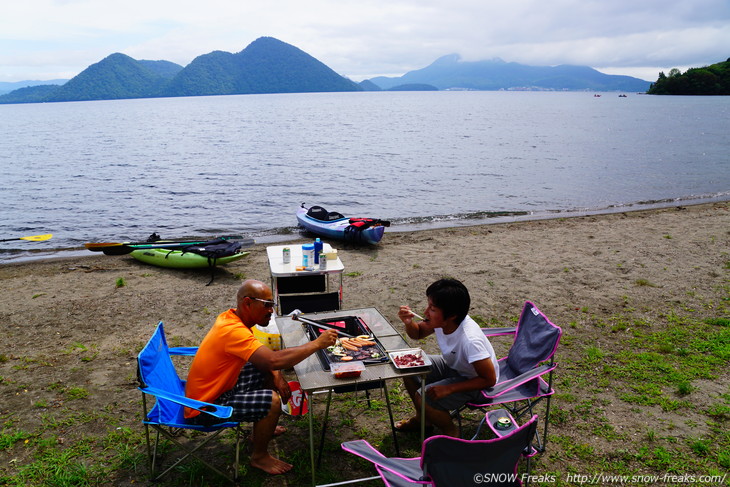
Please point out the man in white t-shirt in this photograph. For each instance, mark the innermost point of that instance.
(466, 365)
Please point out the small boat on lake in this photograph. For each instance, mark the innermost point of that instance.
(331, 224)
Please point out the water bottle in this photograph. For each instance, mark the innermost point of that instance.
(308, 256)
(317, 250)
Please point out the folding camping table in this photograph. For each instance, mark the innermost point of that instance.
(306, 290)
(312, 376)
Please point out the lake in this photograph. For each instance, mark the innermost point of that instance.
(201, 166)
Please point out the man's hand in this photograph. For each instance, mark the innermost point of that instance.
(326, 339)
(282, 386)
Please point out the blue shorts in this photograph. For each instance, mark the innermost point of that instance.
(441, 374)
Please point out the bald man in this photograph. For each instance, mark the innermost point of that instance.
(232, 368)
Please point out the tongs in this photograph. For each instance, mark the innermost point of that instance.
(297, 317)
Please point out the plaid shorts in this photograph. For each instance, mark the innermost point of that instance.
(248, 398)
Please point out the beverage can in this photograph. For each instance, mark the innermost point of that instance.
(322, 262)
(287, 255)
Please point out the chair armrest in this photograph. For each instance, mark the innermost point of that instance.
(502, 331)
(216, 410)
(407, 468)
(182, 350)
(509, 384)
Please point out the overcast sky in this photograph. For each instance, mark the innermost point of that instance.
(49, 39)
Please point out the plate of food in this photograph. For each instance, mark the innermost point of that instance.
(410, 358)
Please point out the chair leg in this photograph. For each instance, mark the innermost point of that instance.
(153, 458)
(237, 453)
(189, 452)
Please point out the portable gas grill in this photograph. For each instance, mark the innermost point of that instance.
(352, 325)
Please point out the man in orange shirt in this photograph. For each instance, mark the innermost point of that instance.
(232, 368)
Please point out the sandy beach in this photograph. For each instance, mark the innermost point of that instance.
(614, 283)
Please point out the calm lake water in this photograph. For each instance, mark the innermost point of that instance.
(201, 166)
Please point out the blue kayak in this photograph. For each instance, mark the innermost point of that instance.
(336, 226)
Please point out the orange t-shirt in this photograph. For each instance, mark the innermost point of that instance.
(219, 360)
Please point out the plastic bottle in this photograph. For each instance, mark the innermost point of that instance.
(308, 256)
(317, 250)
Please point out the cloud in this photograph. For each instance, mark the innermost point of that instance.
(367, 37)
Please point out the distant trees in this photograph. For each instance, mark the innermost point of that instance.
(710, 80)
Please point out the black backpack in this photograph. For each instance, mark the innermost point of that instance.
(214, 249)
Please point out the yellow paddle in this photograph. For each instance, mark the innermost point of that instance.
(34, 238)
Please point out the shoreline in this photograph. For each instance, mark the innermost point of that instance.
(441, 224)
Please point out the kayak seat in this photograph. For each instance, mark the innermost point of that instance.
(319, 213)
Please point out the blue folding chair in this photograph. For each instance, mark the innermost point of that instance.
(157, 377)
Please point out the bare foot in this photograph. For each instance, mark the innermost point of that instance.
(271, 465)
(411, 424)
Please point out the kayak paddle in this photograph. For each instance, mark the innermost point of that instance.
(128, 249)
(98, 247)
(34, 238)
(123, 248)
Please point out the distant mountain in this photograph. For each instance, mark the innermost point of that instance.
(267, 65)
(31, 94)
(7, 87)
(450, 72)
(710, 80)
(414, 87)
(115, 77)
(368, 85)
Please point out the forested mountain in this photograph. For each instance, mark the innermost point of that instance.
(116, 76)
(7, 87)
(29, 94)
(710, 80)
(267, 65)
(450, 72)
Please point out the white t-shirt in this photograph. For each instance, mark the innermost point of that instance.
(466, 345)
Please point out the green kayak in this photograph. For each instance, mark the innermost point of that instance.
(178, 260)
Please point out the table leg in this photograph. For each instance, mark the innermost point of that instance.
(390, 414)
(311, 436)
(423, 408)
(324, 427)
